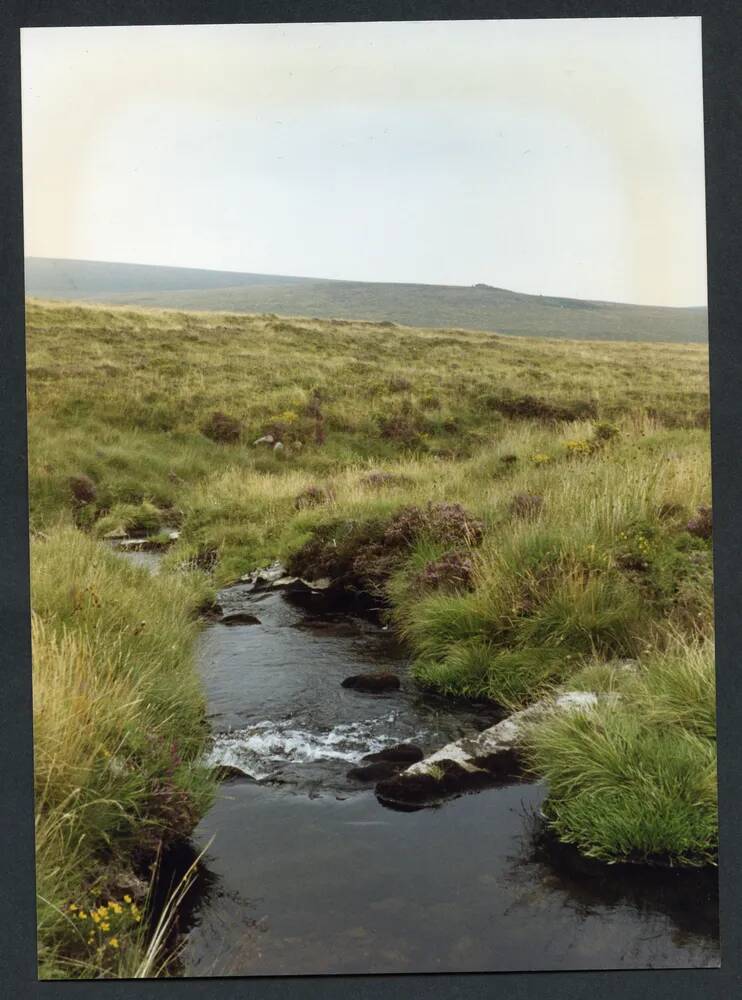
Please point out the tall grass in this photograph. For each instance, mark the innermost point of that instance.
(118, 733)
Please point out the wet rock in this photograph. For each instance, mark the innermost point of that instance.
(211, 610)
(491, 757)
(375, 772)
(239, 618)
(262, 579)
(228, 772)
(140, 544)
(278, 446)
(372, 683)
(449, 778)
(330, 626)
(400, 753)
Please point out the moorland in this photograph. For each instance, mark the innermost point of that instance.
(528, 513)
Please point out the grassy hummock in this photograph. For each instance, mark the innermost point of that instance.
(635, 778)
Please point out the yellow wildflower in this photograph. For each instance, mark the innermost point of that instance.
(127, 898)
(114, 942)
(105, 927)
(96, 918)
(73, 907)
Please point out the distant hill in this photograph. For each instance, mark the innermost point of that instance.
(476, 307)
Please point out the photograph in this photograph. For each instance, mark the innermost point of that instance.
(370, 498)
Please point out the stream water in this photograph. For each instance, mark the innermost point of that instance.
(307, 873)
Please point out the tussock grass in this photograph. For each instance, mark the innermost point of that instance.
(118, 733)
(635, 778)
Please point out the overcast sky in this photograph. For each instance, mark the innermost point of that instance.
(554, 157)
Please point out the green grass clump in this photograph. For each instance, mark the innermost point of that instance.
(118, 735)
(478, 669)
(634, 778)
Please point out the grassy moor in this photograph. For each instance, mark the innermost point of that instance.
(530, 515)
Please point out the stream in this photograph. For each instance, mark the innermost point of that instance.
(307, 873)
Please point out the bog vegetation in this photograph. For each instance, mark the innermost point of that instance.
(529, 513)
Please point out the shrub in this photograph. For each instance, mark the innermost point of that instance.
(604, 431)
(526, 505)
(530, 408)
(403, 425)
(670, 510)
(222, 428)
(379, 479)
(443, 522)
(452, 571)
(430, 403)
(83, 489)
(701, 525)
(312, 496)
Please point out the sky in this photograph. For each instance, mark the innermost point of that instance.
(556, 157)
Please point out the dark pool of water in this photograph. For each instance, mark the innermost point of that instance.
(314, 886)
(306, 873)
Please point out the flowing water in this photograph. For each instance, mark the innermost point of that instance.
(306, 873)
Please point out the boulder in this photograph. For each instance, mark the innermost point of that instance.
(406, 753)
(265, 439)
(262, 579)
(372, 683)
(488, 759)
(375, 772)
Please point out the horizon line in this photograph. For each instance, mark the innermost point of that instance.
(359, 281)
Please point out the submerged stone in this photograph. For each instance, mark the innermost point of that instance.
(372, 683)
(239, 618)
